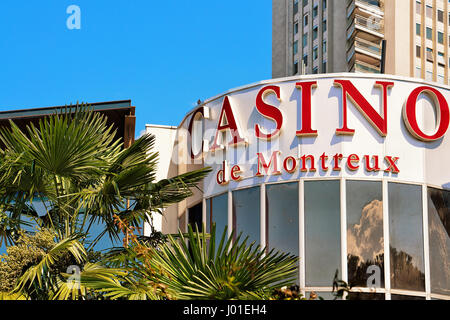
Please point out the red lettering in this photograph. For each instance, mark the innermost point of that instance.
(227, 121)
(269, 112)
(222, 174)
(409, 114)
(376, 166)
(197, 112)
(392, 164)
(235, 173)
(350, 162)
(323, 159)
(372, 116)
(336, 159)
(262, 162)
(293, 165)
(311, 162)
(306, 130)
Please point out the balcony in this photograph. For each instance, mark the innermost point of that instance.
(371, 26)
(375, 7)
(362, 67)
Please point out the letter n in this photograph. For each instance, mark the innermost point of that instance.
(378, 122)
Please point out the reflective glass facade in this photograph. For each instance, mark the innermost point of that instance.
(348, 226)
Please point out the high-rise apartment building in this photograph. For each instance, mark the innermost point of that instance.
(324, 36)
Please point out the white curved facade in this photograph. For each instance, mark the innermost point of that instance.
(363, 189)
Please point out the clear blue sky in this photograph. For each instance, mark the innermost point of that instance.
(163, 55)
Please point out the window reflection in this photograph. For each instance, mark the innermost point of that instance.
(322, 232)
(365, 246)
(365, 296)
(406, 237)
(246, 213)
(439, 230)
(402, 297)
(282, 217)
(217, 212)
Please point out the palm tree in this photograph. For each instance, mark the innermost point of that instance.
(72, 165)
(190, 266)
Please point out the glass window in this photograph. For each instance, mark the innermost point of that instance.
(305, 40)
(429, 33)
(439, 239)
(322, 232)
(282, 217)
(315, 11)
(400, 297)
(365, 296)
(195, 217)
(429, 11)
(315, 32)
(295, 47)
(365, 244)
(246, 213)
(418, 32)
(406, 237)
(217, 212)
(440, 15)
(440, 37)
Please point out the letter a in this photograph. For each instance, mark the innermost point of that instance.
(74, 20)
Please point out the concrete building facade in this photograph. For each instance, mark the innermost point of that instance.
(322, 36)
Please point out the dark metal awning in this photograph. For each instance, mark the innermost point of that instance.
(120, 114)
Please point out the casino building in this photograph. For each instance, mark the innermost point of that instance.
(347, 171)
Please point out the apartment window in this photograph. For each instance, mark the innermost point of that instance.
(315, 33)
(316, 70)
(295, 47)
(430, 55)
(324, 47)
(315, 53)
(418, 29)
(429, 11)
(324, 67)
(295, 67)
(429, 33)
(418, 72)
(305, 20)
(418, 50)
(441, 59)
(295, 7)
(440, 15)
(305, 40)
(440, 37)
(305, 3)
(315, 11)
(305, 60)
(324, 25)
(295, 28)
(418, 7)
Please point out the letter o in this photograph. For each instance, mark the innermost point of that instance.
(443, 114)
